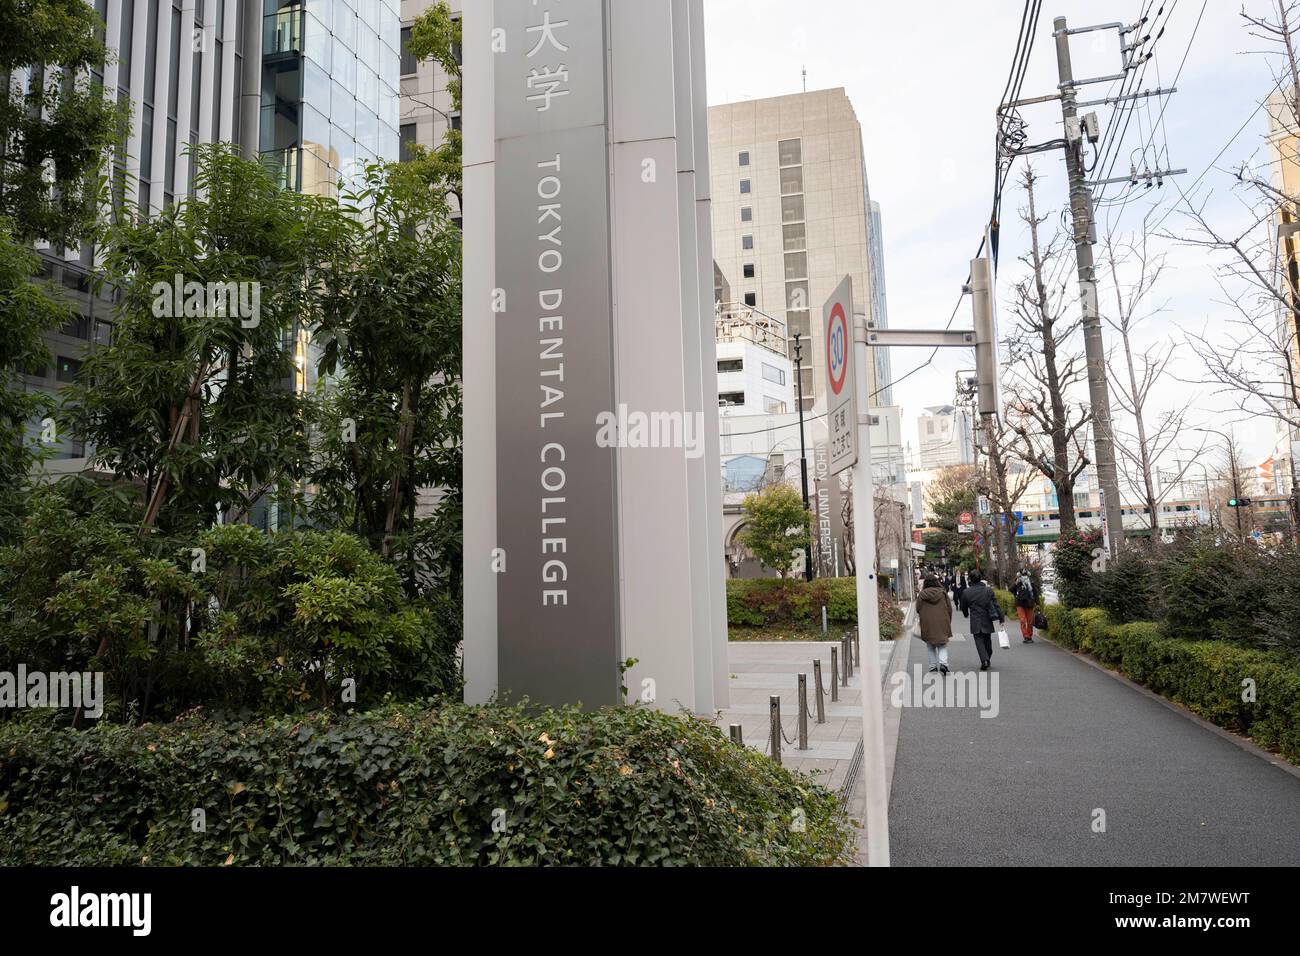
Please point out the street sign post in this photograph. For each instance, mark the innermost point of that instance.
(841, 389)
(984, 505)
(965, 523)
(849, 425)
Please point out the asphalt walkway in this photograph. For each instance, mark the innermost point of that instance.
(1025, 787)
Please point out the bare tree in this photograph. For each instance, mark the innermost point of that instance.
(1135, 373)
(1233, 477)
(1044, 367)
(1004, 487)
(1255, 364)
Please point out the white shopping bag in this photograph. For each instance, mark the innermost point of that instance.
(1003, 640)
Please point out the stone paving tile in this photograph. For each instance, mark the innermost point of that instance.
(759, 671)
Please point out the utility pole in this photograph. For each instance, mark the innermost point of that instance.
(803, 454)
(1084, 236)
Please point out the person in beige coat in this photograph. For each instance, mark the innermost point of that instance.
(934, 611)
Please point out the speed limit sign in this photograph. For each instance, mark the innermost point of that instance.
(841, 387)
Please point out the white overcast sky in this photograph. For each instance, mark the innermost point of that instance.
(924, 80)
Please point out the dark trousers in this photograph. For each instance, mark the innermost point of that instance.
(984, 646)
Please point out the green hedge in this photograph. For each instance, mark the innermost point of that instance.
(403, 785)
(1205, 676)
(760, 602)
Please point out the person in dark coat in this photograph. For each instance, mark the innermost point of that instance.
(934, 609)
(980, 604)
(958, 585)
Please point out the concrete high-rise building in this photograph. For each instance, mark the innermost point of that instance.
(945, 437)
(790, 215)
(310, 87)
(876, 253)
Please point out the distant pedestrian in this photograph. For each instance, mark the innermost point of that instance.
(934, 609)
(980, 604)
(958, 586)
(1026, 602)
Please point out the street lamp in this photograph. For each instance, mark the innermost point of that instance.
(803, 454)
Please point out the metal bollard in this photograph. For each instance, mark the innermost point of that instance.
(735, 735)
(835, 674)
(823, 619)
(803, 711)
(857, 648)
(848, 659)
(817, 679)
(774, 703)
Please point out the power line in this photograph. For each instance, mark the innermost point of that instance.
(1241, 129)
(1160, 119)
(1010, 93)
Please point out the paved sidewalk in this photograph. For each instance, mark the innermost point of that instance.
(1023, 788)
(760, 669)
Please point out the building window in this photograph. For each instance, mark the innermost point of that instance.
(731, 365)
(791, 181)
(773, 406)
(67, 369)
(747, 213)
(796, 295)
(751, 299)
(744, 187)
(773, 374)
(744, 158)
(749, 270)
(795, 236)
(409, 64)
(789, 152)
(731, 398)
(747, 242)
(792, 209)
(796, 265)
(796, 322)
(78, 328)
(407, 136)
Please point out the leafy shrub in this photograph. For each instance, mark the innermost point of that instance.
(1128, 590)
(233, 617)
(1275, 595)
(402, 785)
(1205, 584)
(1073, 559)
(1207, 676)
(763, 602)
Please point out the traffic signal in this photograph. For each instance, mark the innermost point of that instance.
(1238, 502)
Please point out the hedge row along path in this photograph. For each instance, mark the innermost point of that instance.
(1022, 788)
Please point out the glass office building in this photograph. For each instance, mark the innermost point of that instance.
(312, 84)
(330, 80)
